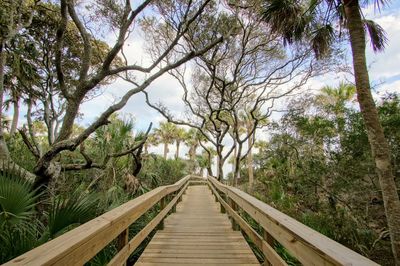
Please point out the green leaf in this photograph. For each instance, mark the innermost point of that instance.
(376, 34)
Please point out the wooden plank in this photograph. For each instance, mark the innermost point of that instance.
(194, 263)
(198, 234)
(195, 254)
(306, 244)
(190, 261)
(210, 252)
(125, 252)
(77, 246)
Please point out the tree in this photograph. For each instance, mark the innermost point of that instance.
(333, 101)
(165, 134)
(299, 20)
(249, 120)
(235, 76)
(90, 74)
(13, 18)
(179, 136)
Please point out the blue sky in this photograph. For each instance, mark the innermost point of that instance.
(384, 70)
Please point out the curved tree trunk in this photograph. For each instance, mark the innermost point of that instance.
(71, 112)
(165, 150)
(209, 169)
(379, 146)
(14, 123)
(220, 164)
(250, 170)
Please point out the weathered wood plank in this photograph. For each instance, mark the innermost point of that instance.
(125, 252)
(198, 234)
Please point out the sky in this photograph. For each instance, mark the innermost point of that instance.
(384, 69)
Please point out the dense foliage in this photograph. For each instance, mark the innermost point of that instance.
(317, 167)
(29, 218)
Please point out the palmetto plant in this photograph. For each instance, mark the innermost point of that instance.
(18, 232)
(69, 212)
(21, 227)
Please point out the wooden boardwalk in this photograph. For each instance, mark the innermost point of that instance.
(198, 234)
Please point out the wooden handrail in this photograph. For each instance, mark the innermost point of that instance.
(304, 243)
(79, 245)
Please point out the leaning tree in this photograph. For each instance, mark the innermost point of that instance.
(321, 23)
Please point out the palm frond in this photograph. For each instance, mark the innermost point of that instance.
(18, 228)
(17, 199)
(376, 34)
(285, 17)
(67, 213)
(322, 40)
(378, 4)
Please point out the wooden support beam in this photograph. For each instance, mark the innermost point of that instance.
(234, 207)
(163, 203)
(123, 240)
(222, 210)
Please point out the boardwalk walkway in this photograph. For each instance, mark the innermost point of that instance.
(198, 234)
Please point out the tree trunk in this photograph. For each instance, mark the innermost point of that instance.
(165, 150)
(250, 163)
(235, 163)
(3, 57)
(209, 169)
(220, 165)
(178, 144)
(4, 152)
(14, 123)
(379, 146)
(68, 122)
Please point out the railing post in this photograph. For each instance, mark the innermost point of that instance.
(223, 196)
(163, 202)
(123, 240)
(270, 240)
(234, 206)
(173, 196)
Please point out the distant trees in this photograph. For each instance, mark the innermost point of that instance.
(242, 75)
(165, 134)
(324, 175)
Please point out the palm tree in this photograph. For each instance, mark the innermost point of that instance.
(165, 134)
(193, 138)
(313, 21)
(151, 140)
(179, 136)
(334, 99)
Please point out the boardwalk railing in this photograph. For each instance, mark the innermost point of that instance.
(79, 245)
(305, 244)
